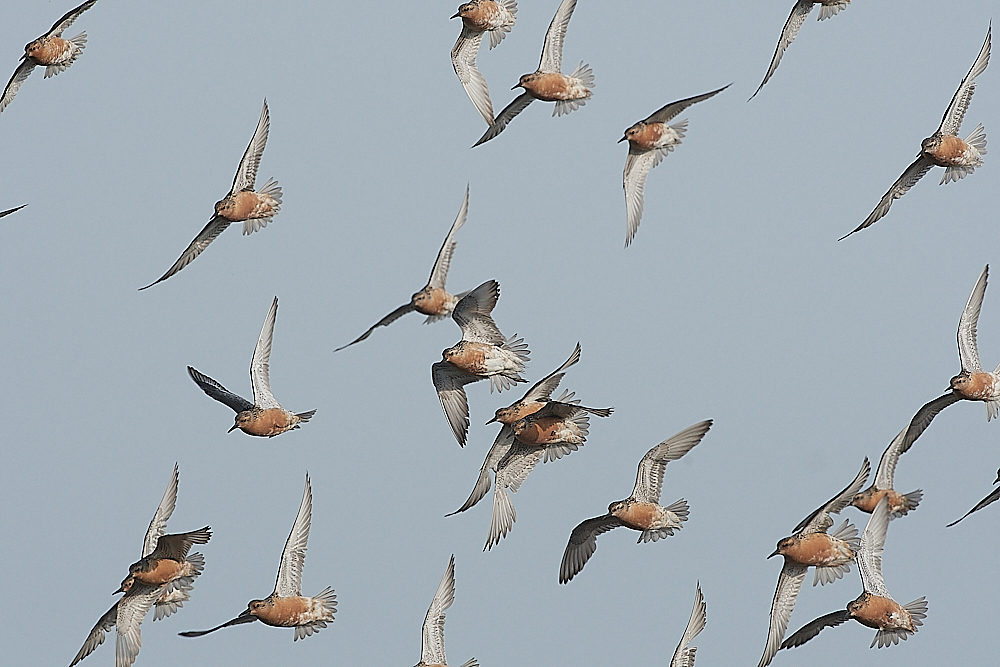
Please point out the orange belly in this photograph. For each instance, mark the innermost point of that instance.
(469, 357)
(433, 301)
(551, 87)
(482, 16)
(518, 411)
(639, 516)
(877, 613)
(270, 422)
(818, 549)
(949, 151)
(244, 205)
(49, 51)
(161, 571)
(284, 612)
(647, 136)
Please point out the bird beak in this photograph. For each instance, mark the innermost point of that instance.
(491, 421)
(232, 429)
(121, 589)
(776, 552)
(516, 86)
(622, 139)
(457, 14)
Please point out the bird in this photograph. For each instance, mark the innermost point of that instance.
(684, 656)
(264, 417)
(874, 608)
(432, 634)
(989, 499)
(795, 20)
(649, 141)
(548, 83)
(11, 210)
(482, 353)
(943, 148)
(432, 300)
(900, 504)
(479, 17)
(50, 50)
(641, 511)
(810, 545)
(286, 607)
(511, 459)
(168, 593)
(254, 208)
(973, 383)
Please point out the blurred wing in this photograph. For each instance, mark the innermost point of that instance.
(158, 526)
(820, 520)
(259, 365)
(695, 625)
(951, 122)
(810, 630)
(637, 166)
(246, 175)
(789, 583)
(432, 644)
(67, 20)
(96, 636)
(132, 609)
(795, 20)
(913, 173)
(463, 59)
(473, 315)
(384, 322)
(669, 111)
(16, 79)
(649, 479)
(553, 46)
(902, 442)
(209, 233)
(583, 543)
(439, 274)
(872, 542)
(218, 392)
(968, 351)
(293, 558)
(449, 383)
(519, 104)
(542, 390)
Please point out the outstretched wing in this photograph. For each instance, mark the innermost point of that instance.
(218, 392)
(502, 445)
(649, 478)
(902, 442)
(820, 520)
(666, 113)
(463, 59)
(637, 166)
(951, 122)
(813, 628)
(913, 173)
(450, 383)
(542, 390)
(384, 322)
(583, 543)
(68, 18)
(158, 526)
(968, 351)
(245, 617)
(246, 175)
(209, 233)
(552, 48)
(519, 104)
(96, 636)
(11, 210)
(293, 557)
(432, 643)
(789, 583)
(260, 364)
(439, 273)
(872, 542)
(683, 656)
(132, 609)
(795, 20)
(472, 314)
(991, 498)
(16, 79)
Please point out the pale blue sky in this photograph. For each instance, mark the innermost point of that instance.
(735, 302)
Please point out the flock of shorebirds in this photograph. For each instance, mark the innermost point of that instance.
(537, 427)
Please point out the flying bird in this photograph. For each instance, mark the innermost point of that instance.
(649, 141)
(482, 353)
(254, 208)
(479, 17)
(795, 20)
(811, 546)
(973, 383)
(264, 417)
(432, 633)
(874, 608)
(286, 607)
(433, 300)
(642, 510)
(943, 148)
(49, 50)
(548, 83)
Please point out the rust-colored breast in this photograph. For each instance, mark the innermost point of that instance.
(162, 570)
(818, 549)
(551, 87)
(469, 357)
(49, 51)
(877, 612)
(646, 137)
(949, 151)
(544, 431)
(518, 411)
(867, 500)
(284, 612)
(481, 16)
(245, 205)
(976, 387)
(640, 516)
(434, 301)
(270, 422)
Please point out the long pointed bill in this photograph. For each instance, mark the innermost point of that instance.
(776, 552)
(235, 426)
(621, 140)
(491, 421)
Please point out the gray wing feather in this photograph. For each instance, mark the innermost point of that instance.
(872, 543)
(637, 166)
(795, 20)
(132, 609)
(902, 442)
(158, 526)
(913, 173)
(968, 351)
(218, 392)
(951, 122)
(813, 628)
(519, 104)
(988, 500)
(450, 385)
(68, 18)
(542, 390)
(11, 210)
(552, 48)
(670, 110)
(209, 233)
(259, 365)
(472, 314)
(789, 583)
(502, 444)
(463, 59)
(684, 657)
(649, 479)
(432, 644)
(384, 322)
(246, 174)
(96, 636)
(293, 557)
(16, 79)
(583, 543)
(820, 520)
(439, 273)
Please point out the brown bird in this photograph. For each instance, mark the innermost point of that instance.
(479, 17)
(264, 417)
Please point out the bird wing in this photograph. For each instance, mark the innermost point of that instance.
(293, 557)
(259, 365)
(683, 656)
(951, 122)
(968, 351)
(795, 20)
(991, 498)
(209, 233)
(432, 644)
(519, 104)
(552, 48)
(472, 314)
(450, 383)
(870, 555)
(649, 478)
(913, 173)
(902, 442)
(68, 18)
(789, 583)
(218, 392)
(246, 174)
(542, 390)
(583, 543)
(463, 59)
(667, 112)
(637, 166)
(502, 445)
(132, 609)
(16, 79)
(439, 273)
(158, 525)
(96, 636)
(177, 546)
(384, 322)
(813, 628)
(820, 520)
(11, 210)
(245, 617)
